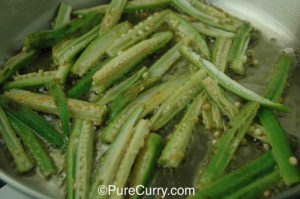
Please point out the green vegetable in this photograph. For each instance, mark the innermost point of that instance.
(145, 161)
(40, 102)
(112, 14)
(96, 49)
(220, 52)
(63, 72)
(34, 121)
(34, 146)
(212, 31)
(228, 83)
(16, 63)
(174, 151)
(21, 160)
(63, 15)
(60, 101)
(123, 63)
(47, 38)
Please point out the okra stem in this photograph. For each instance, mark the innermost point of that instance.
(34, 146)
(228, 83)
(174, 151)
(121, 64)
(34, 121)
(78, 109)
(60, 101)
(112, 14)
(21, 160)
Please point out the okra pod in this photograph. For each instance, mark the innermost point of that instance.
(84, 84)
(145, 161)
(21, 160)
(142, 129)
(275, 134)
(151, 98)
(187, 32)
(131, 6)
(220, 52)
(112, 15)
(178, 100)
(108, 167)
(256, 188)
(31, 80)
(40, 125)
(115, 91)
(16, 63)
(47, 38)
(207, 117)
(228, 83)
(34, 146)
(121, 64)
(40, 102)
(63, 71)
(237, 56)
(60, 101)
(96, 49)
(63, 15)
(174, 151)
(136, 34)
(68, 52)
(84, 160)
(212, 31)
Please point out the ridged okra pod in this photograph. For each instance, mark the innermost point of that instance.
(16, 150)
(63, 15)
(123, 63)
(96, 49)
(174, 151)
(40, 102)
(220, 52)
(138, 33)
(212, 31)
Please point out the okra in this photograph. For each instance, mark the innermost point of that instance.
(96, 49)
(72, 149)
(108, 167)
(164, 63)
(205, 17)
(122, 87)
(84, 160)
(255, 189)
(124, 98)
(123, 63)
(145, 161)
(227, 145)
(228, 83)
(174, 151)
(275, 134)
(16, 63)
(142, 129)
(21, 160)
(84, 84)
(208, 9)
(136, 34)
(40, 102)
(60, 101)
(112, 15)
(237, 56)
(63, 71)
(47, 38)
(212, 31)
(207, 115)
(68, 52)
(31, 80)
(63, 15)
(216, 116)
(151, 98)
(178, 100)
(131, 6)
(236, 179)
(219, 98)
(220, 52)
(187, 32)
(33, 145)
(40, 125)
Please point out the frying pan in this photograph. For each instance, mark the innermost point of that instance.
(279, 24)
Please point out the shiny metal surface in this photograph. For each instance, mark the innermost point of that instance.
(278, 20)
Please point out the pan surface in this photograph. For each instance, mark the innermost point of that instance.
(279, 23)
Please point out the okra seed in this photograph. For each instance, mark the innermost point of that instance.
(237, 104)
(293, 160)
(217, 134)
(267, 193)
(258, 131)
(252, 128)
(214, 141)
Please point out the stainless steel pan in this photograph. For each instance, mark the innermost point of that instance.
(278, 20)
